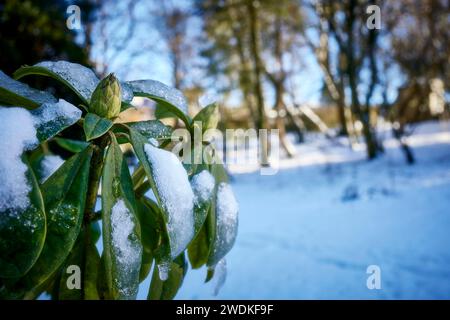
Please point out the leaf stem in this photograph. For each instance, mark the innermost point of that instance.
(94, 177)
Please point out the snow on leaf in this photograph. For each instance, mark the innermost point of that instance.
(176, 196)
(151, 129)
(52, 118)
(23, 90)
(17, 135)
(49, 164)
(159, 89)
(226, 222)
(83, 80)
(127, 92)
(163, 270)
(127, 249)
(220, 275)
(203, 185)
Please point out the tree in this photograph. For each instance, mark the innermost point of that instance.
(33, 31)
(251, 54)
(355, 44)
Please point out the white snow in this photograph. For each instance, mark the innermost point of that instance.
(49, 164)
(81, 78)
(17, 135)
(24, 90)
(203, 185)
(154, 142)
(53, 111)
(159, 89)
(122, 227)
(226, 220)
(300, 239)
(176, 195)
(126, 92)
(163, 270)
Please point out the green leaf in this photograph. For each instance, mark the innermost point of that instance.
(22, 233)
(16, 93)
(215, 231)
(121, 230)
(198, 250)
(52, 118)
(208, 116)
(64, 196)
(166, 290)
(170, 98)
(81, 80)
(209, 274)
(95, 127)
(151, 170)
(71, 145)
(151, 129)
(102, 286)
(203, 200)
(161, 112)
(84, 256)
(96, 231)
(150, 221)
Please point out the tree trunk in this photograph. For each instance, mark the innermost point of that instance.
(363, 115)
(257, 70)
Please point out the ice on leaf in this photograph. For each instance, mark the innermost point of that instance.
(226, 222)
(220, 275)
(176, 196)
(49, 164)
(203, 185)
(82, 79)
(52, 118)
(151, 129)
(127, 91)
(163, 270)
(17, 135)
(127, 249)
(160, 90)
(23, 90)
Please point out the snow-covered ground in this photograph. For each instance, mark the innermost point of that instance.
(311, 230)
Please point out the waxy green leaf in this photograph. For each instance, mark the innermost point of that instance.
(22, 233)
(95, 126)
(121, 230)
(166, 290)
(85, 259)
(166, 97)
(64, 195)
(16, 93)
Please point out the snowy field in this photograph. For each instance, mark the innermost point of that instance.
(311, 230)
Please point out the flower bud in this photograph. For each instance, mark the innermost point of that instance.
(106, 98)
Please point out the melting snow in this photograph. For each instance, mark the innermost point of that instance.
(17, 135)
(49, 165)
(122, 227)
(176, 195)
(163, 270)
(203, 185)
(158, 89)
